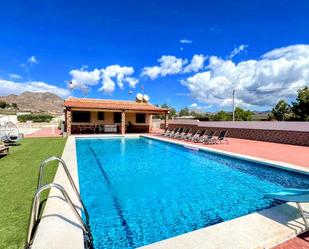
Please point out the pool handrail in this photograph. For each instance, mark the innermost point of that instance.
(33, 220)
(64, 166)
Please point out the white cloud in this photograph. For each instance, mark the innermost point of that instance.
(185, 41)
(238, 50)
(82, 79)
(11, 87)
(109, 76)
(120, 74)
(193, 105)
(33, 60)
(197, 63)
(169, 65)
(258, 83)
(14, 76)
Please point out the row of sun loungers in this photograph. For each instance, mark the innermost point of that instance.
(197, 136)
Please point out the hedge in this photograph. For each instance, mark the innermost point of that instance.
(35, 118)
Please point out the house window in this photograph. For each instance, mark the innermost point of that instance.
(80, 117)
(100, 115)
(141, 118)
(117, 117)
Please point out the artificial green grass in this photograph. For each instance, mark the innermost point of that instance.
(18, 179)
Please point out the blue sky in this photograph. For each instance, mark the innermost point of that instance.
(42, 43)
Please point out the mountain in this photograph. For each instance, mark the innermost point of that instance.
(36, 102)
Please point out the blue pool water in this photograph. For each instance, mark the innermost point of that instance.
(139, 191)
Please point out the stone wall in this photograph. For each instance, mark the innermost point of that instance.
(276, 136)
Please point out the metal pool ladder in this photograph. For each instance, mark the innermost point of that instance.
(35, 209)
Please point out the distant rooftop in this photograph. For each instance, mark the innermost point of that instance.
(112, 105)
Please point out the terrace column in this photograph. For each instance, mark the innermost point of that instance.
(150, 123)
(68, 120)
(123, 123)
(166, 121)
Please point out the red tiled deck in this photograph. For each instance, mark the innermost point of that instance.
(300, 242)
(45, 132)
(293, 154)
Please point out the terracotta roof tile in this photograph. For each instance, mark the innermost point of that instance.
(112, 105)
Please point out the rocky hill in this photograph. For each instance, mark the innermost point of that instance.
(36, 102)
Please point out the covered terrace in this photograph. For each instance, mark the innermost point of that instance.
(93, 116)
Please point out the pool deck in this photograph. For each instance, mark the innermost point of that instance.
(286, 153)
(265, 229)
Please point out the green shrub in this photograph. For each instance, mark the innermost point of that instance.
(37, 118)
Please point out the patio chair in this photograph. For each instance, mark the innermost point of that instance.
(209, 137)
(101, 128)
(185, 134)
(292, 195)
(190, 135)
(177, 133)
(201, 137)
(4, 150)
(221, 138)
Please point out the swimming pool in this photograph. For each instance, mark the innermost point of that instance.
(139, 191)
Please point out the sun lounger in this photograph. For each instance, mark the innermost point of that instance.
(184, 134)
(209, 137)
(184, 131)
(190, 135)
(221, 138)
(292, 195)
(201, 137)
(166, 131)
(177, 133)
(197, 134)
(172, 132)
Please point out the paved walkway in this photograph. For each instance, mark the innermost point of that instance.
(45, 132)
(293, 154)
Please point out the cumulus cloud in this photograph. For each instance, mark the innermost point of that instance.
(169, 65)
(33, 60)
(11, 87)
(238, 50)
(82, 79)
(258, 83)
(120, 74)
(109, 77)
(197, 63)
(185, 41)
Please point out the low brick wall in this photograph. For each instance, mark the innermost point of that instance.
(275, 136)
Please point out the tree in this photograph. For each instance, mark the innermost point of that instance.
(281, 111)
(243, 115)
(222, 116)
(2, 104)
(172, 110)
(184, 112)
(15, 106)
(300, 107)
